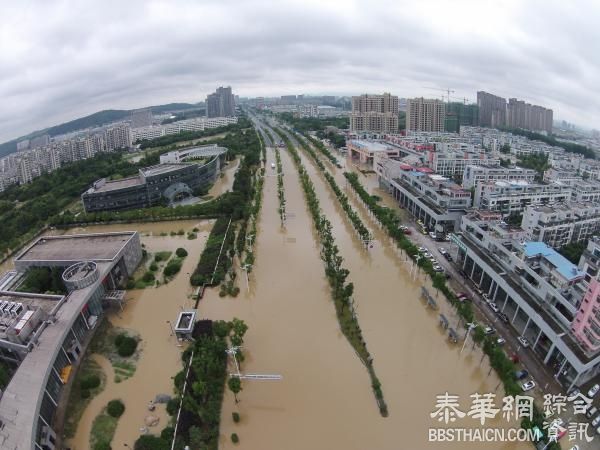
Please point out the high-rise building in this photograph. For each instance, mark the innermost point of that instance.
(141, 118)
(117, 137)
(492, 110)
(425, 114)
(374, 113)
(221, 103)
(467, 114)
(530, 117)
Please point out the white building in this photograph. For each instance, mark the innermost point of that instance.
(196, 124)
(513, 197)
(562, 223)
(474, 175)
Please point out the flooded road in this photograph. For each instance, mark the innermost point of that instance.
(325, 400)
(146, 313)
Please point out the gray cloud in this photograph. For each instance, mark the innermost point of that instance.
(64, 59)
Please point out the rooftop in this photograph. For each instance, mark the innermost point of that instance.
(161, 168)
(76, 247)
(372, 146)
(116, 184)
(565, 267)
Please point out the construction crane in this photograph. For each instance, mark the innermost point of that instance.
(448, 91)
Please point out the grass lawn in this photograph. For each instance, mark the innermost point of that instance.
(104, 344)
(103, 429)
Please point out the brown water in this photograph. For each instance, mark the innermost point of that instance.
(324, 400)
(146, 312)
(224, 182)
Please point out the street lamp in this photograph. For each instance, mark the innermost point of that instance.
(171, 328)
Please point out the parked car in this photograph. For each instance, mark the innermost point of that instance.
(486, 298)
(407, 231)
(527, 386)
(489, 330)
(448, 256)
(571, 394)
(437, 268)
(503, 317)
(500, 341)
(524, 342)
(432, 235)
(493, 307)
(594, 390)
(442, 250)
(521, 374)
(591, 412)
(596, 421)
(422, 249)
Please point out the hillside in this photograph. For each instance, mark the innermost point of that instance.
(93, 120)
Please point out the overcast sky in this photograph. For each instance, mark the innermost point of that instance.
(60, 60)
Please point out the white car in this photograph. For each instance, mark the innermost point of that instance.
(432, 235)
(576, 447)
(529, 385)
(500, 341)
(594, 390)
(494, 307)
(442, 250)
(524, 342)
(596, 421)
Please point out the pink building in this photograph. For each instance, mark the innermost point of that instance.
(586, 326)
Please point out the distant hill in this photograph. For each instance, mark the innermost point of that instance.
(93, 120)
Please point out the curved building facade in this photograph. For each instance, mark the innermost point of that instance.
(152, 185)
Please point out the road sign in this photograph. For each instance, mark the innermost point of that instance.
(456, 240)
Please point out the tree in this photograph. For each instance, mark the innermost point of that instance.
(235, 386)
(115, 408)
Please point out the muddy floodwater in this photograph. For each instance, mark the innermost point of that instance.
(146, 313)
(324, 400)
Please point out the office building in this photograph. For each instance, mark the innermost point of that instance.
(153, 185)
(196, 124)
(374, 113)
(425, 115)
(538, 290)
(191, 154)
(221, 103)
(364, 151)
(45, 336)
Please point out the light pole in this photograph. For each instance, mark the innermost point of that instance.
(171, 328)
(471, 327)
(246, 268)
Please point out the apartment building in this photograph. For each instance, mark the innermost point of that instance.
(586, 190)
(520, 114)
(435, 200)
(492, 110)
(560, 224)
(510, 198)
(220, 103)
(452, 160)
(477, 174)
(118, 137)
(586, 327)
(374, 113)
(425, 115)
(197, 124)
(562, 176)
(538, 289)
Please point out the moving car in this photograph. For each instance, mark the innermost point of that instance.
(524, 342)
(594, 390)
(527, 386)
